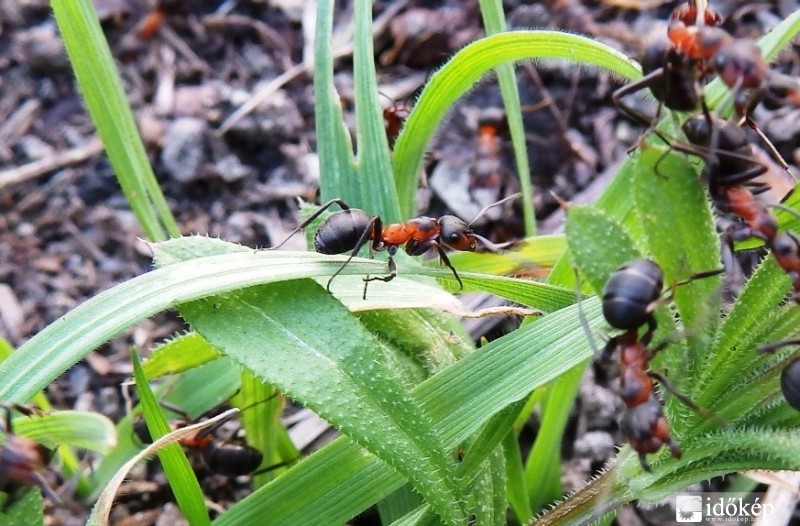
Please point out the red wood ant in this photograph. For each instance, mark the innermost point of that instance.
(23, 461)
(790, 376)
(731, 186)
(630, 297)
(730, 179)
(350, 229)
(672, 74)
(231, 460)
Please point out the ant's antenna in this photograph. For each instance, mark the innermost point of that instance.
(487, 207)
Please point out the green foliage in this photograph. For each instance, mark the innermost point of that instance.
(24, 508)
(427, 420)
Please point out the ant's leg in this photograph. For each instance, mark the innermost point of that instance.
(584, 323)
(277, 465)
(311, 218)
(627, 109)
(667, 385)
(446, 262)
(634, 87)
(647, 337)
(373, 230)
(389, 277)
(697, 275)
(643, 462)
(608, 350)
(772, 347)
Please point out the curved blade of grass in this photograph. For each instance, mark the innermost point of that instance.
(465, 68)
(102, 90)
(176, 466)
(319, 354)
(102, 508)
(73, 428)
(69, 339)
(179, 354)
(495, 22)
(195, 391)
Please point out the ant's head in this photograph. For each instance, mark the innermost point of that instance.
(457, 234)
(741, 65)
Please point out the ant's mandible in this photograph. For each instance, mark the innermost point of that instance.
(350, 229)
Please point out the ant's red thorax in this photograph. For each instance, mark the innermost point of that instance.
(418, 229)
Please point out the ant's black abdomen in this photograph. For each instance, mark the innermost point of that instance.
(629, 293)
(790, 384)
(341, 232)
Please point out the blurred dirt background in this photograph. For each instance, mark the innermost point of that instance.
(189, 66)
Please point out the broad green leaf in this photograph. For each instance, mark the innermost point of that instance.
(680, 230)
(295, 336)
(598, 244)
(460, 399)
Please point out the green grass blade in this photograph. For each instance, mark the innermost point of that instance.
(465, 68)
(333, 140)
(102, 90)
(195, 391)
(261, 420)
(374, 167)
(495, 22)
(176, 466)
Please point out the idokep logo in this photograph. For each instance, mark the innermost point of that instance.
(730, 508)
(689, 508)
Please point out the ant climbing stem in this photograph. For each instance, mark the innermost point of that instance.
(350, 229)
(630, 297)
